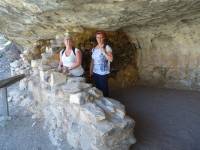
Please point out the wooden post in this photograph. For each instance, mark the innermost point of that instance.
(3, 93)
(3, 102)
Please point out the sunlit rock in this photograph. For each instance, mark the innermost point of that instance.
(57, 78)
(78, 113)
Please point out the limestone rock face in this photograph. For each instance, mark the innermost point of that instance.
(168, 55)
(26, 21)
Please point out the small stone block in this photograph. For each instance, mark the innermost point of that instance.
(57, 78)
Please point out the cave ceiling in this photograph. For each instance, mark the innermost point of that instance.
(26, 21)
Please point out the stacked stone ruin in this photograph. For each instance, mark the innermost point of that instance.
(75, 112)
(21, 66)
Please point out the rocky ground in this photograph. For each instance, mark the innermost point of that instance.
(23, 133)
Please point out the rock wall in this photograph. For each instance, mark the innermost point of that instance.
(77, 113)
(168, 55)
(9, 52)
(73, 111)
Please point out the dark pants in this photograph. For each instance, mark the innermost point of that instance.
(101, 82)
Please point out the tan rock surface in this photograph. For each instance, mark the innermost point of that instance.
(169, 54)
(26, 21)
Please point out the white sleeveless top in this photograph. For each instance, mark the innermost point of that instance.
(68, 61)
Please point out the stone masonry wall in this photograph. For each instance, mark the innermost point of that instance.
(79, 114)
(76, 113)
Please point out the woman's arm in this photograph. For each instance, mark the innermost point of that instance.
(107, 54)
(60, 63)
(78, 60)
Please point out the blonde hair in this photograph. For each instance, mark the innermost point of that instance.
(67, 36)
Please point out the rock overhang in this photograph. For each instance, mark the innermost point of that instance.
(26, 21)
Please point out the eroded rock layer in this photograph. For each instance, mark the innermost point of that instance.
(168, 55)
(26, 21)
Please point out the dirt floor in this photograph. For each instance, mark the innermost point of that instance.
(166, 119)
(24, 133)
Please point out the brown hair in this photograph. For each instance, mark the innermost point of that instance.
(102, 33)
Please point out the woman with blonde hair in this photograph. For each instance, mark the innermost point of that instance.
(70, 58)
